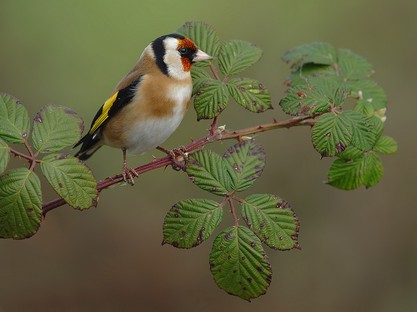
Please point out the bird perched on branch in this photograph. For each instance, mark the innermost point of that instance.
(148, 104)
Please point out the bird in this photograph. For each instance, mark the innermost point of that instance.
(148, 104)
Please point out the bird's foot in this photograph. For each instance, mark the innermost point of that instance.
(179, 157)
(129, 174)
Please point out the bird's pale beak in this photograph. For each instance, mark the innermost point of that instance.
(201, 56)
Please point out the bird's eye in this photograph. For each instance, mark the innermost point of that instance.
(183, 51)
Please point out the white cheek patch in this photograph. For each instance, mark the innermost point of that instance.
(173, 61)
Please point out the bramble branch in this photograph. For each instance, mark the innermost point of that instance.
(31, 158)
(214, 135)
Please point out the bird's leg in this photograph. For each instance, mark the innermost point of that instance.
(164, 150)
(178, 156)
(127, 172)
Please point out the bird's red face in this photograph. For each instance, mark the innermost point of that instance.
(174, 55)
(187, 50)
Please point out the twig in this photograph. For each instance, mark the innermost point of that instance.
(233, 212)
(213, 126)
(25, 142)
(214, 72)
(195, 145)
(31, 158)
(21, 155)
(214, 122)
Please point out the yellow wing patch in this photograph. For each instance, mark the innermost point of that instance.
(104, 113)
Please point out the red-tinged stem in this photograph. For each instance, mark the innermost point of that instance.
(193, 146)
(233, 212)
(31, 158)
(214, 72)
(299, 121)
(20, 155)
(213, 126)
(25, 142)
(214, 122)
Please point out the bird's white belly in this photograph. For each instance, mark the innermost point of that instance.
(146, 135)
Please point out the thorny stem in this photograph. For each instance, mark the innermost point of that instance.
(213, 126)
(300, 121)
(25, 142)
(214, 72)
(193, 146)
(20, 155)
(233, 212)
(31, 157)
(214, 122)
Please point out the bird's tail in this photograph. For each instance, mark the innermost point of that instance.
(90, 144)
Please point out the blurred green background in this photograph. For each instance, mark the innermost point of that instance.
(359, 248)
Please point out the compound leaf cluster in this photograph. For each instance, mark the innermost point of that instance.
(323, 81)
(54, 128)
(238, 262)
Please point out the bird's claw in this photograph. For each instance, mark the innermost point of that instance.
(129, 174)
(179, 157)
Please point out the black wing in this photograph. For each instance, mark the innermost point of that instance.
(90, 142)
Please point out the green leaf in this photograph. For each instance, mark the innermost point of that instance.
(209, 172)
(351, 174)
(272, 220)
(246, 162)
(308, 71)
(345, 175)
(353, 66)
(71, 179)
(56, 127)
(4, 155)
(211, 99)
(371, 97)
(322, 53)
(317, 95)
(14, 120)
(362, 135)
(200, 76)
(350, 153)
(203, 35)
(250, 94)
(239, 264)
(364, 108)
(237, 55)
(190, 222)
(386, 145)
(376, 126)
(331, 134)
(372, 170)
(20, 204)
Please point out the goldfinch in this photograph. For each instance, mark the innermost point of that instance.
(148, 104)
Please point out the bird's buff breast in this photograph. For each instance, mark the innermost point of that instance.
(147, 124)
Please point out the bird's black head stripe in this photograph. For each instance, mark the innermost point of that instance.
(159, 51)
